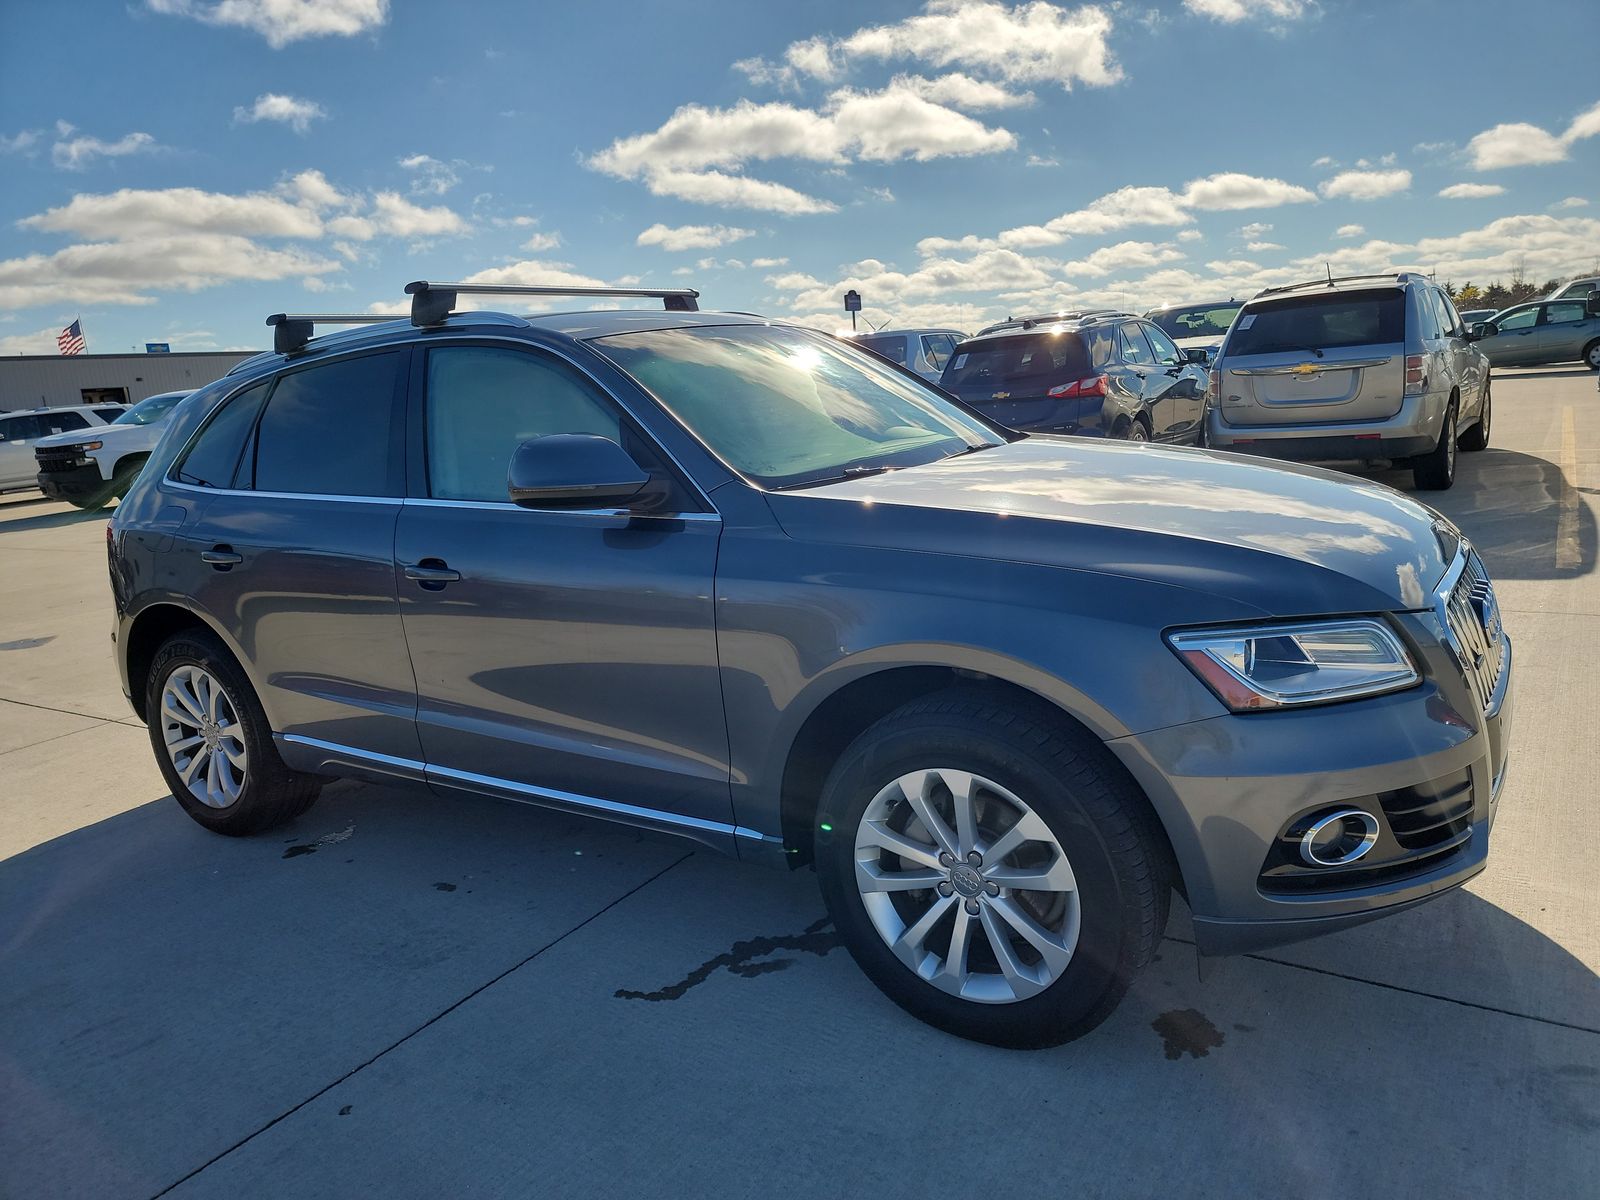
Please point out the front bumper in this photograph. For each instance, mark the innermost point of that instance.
(1228, 788)
(76, 483)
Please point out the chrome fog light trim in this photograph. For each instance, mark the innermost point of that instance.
(1364, 842)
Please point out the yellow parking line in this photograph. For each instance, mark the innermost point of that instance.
(1568, 553)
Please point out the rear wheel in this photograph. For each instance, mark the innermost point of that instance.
(1435, 471)
(1136, 431)
(213, 743)
(1477, 438)
(991, 872)
(1591, 355)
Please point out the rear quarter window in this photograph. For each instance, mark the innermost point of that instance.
(1321, 322)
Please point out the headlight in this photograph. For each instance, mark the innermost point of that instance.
(1277, 666)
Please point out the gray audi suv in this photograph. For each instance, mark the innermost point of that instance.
(743, 582)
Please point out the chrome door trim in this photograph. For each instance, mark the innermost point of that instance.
(627, 813)
(505, 505)
(211, 491)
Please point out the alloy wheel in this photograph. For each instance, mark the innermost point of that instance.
(967, 885)
(200, 728)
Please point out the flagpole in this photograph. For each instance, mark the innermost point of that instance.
(78, 321)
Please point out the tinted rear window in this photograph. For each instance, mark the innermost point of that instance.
(330, 430)
(1321, 322)
(1019, 363)
(1201, 320)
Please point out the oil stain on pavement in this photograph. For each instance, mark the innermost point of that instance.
(1186, 1031)
(742, 960)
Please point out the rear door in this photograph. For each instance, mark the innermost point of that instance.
(297, 496)
(1320, 357)
(566, 655)
(1563, 331)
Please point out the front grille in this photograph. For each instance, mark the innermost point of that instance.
(1472, 619)
(1428, 814)
(57, 460)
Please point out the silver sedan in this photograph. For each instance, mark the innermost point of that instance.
(1545, 331)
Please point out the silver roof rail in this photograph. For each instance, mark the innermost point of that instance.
(291, 331)
(432, 302)
(1391, 276)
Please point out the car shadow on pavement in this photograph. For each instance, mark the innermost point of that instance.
(1521, 512)
(167, 994)
(50, 520)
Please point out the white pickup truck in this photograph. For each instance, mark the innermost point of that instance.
(91, 467)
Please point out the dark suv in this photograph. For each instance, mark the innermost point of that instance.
(743, 582)
(1103, 375)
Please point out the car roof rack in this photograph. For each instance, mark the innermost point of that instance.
(291, 331)
(1392, 276)
(432, 302)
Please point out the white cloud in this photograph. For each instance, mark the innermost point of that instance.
(681, 157)
(273, 106)
(1471, 191)
(19, 143)
(131, 213)
(1122, 256)
(1035, 160)
(1365, 185)
(540, 242)
(1232, 190)
(430, 176)
(1231, 12)
(1033, 42)
(1571, 202)
(795, 281)
(1256, 229)
(1190, 235)
(963, 91)
(769, 262)
(1519, 144)
(1262, 247)
(42, 341)
(691, 237)
(126, 272)
(283, 21)
(76, 153)
(1349, 231)
(312, 188)
(393, 214)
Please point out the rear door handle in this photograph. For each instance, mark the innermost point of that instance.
(221, 557)
(432, 573)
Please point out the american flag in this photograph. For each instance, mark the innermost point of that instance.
(70, 339)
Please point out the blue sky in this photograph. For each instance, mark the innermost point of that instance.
(177, 169)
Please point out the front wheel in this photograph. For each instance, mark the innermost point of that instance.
(992, 873)
(1591, 355)
(213, 743)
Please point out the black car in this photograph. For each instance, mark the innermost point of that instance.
(1102, 376)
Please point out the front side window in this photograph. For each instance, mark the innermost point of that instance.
(1563, 312)
(1167, 352)
(891, 346)
(936, 349)
(329, 430)
(1135, 349)
(213, 459)
(787, 407)
(19, 429)
(483, 402)
(1522, 318)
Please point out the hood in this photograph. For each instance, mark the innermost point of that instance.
(1283, 539)
(132, 436)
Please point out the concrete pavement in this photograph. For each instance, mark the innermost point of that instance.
(416, 997)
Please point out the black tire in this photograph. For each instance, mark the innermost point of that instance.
(117, 488)
(1435, 471)
(1477, 438)
(1134, 431)
(1591, 355)
(1116, 852)
(271, 794)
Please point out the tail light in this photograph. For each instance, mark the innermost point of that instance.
(1095, 385)
(1216, 384)
(1416, 375)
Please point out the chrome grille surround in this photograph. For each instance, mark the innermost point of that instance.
(1466, 605)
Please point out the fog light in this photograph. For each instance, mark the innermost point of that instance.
(1340, 838)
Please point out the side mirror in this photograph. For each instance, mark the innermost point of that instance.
(573, 470)
(1198, 356)
(1479, 331)
(1591, 305)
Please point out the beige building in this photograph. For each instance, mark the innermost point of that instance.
(51, 380)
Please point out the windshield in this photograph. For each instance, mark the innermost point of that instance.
(786, 407)
(1024, 364)
(148, 412)
(1321, 322)
(1200, 320)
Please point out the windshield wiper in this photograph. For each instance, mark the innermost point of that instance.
(974, 449)
(844, 476)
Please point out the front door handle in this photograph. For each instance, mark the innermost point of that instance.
(432, 573)
(221, 557)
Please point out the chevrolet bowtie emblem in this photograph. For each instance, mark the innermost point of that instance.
(1305, 369)
(1001, 396)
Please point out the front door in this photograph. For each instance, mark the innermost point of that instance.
(296, 500)
(565, 656)
(1178, 388)
(1515, 341)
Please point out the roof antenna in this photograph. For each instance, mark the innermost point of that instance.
(1328, 267)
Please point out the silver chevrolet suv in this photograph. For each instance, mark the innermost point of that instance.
(1359, 367)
